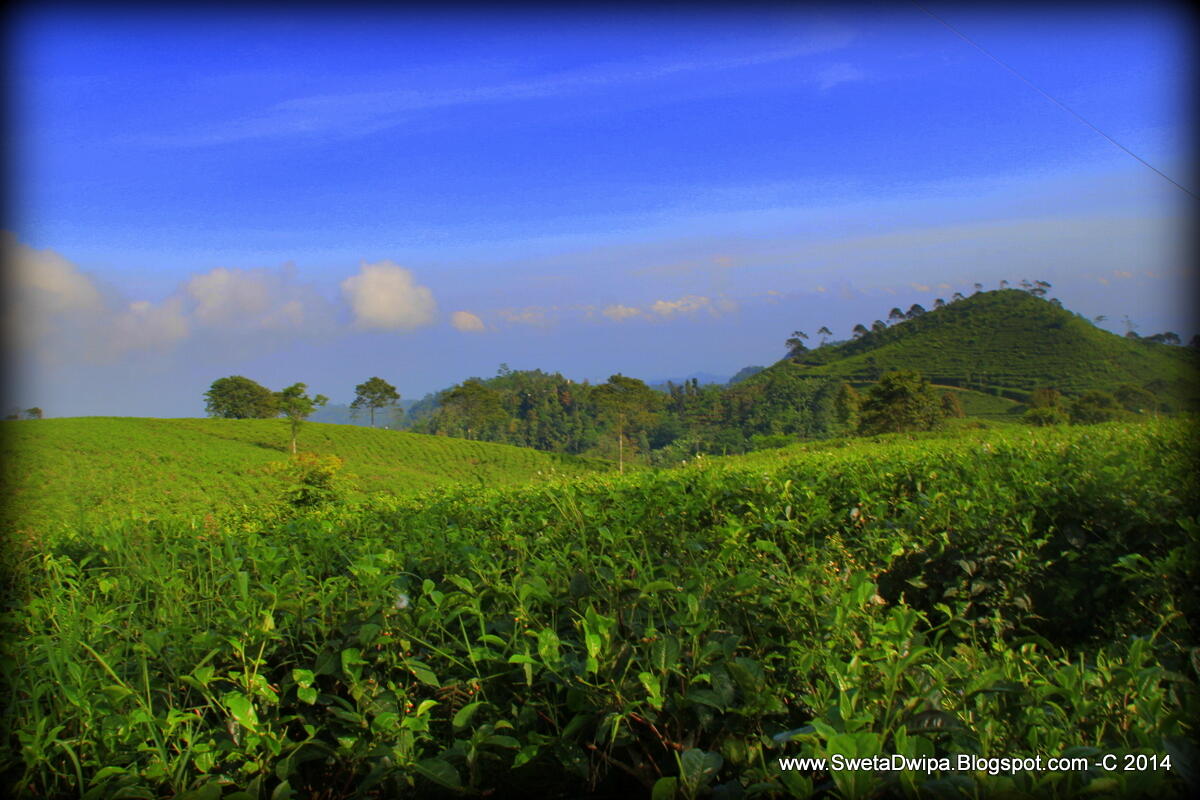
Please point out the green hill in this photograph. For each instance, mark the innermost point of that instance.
(84, 470)
(1008, 343)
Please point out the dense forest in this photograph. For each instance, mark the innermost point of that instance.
(1017, 349)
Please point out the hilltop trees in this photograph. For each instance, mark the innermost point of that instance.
(238, 397)
(901, 401)
(795, 344)
(373, 394)
(33, 413)
(295, 404)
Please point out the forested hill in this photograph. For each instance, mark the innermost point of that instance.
(1008, 342)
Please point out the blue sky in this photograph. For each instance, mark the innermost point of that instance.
(325, 196)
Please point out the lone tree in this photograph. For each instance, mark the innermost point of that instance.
(630, 404)
(295, 404)
(795, 344)
(33, 413)
(375, 393)
(237, 397)
(901, 401)
(824, 333)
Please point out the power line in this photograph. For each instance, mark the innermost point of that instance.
(1054, 100)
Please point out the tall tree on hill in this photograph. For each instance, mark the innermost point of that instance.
(896, 315)
(939, 303)
(901, 401)
(954, 298)
(630, 404)
(295, 404)
(478, 408)
(859, 330)
(914, 311)
(878, 325)
(238, 397)
(795, 344)
(824, 333)
(978, 289)
(33, 413)
(373, 394)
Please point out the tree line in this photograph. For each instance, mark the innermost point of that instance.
(239, 397)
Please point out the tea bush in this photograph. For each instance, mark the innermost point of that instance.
(661, 634)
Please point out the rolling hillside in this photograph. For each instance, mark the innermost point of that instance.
(1007, 343)
(87, 469)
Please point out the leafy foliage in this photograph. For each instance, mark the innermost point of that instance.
(901, 401)
(238, 397)
(296, 406)
(666, 634)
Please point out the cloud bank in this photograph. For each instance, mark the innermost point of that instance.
(60, 315)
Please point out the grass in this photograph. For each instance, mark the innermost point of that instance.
(1000, 591)
(86, 471)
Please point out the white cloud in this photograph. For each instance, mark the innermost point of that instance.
(60, 315)
(618, 312)
(384, 296)
(684, 305)
(838, 73)
(356, 112)
(49, 280)
(466, 321)
(150, 326)
(259, 300)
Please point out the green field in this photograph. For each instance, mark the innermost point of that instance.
(667, 634)
(90, 470)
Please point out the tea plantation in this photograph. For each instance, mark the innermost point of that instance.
(667, 634)
(90, 470)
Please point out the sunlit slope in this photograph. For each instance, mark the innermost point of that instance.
(92, 468)
(1012, 342)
